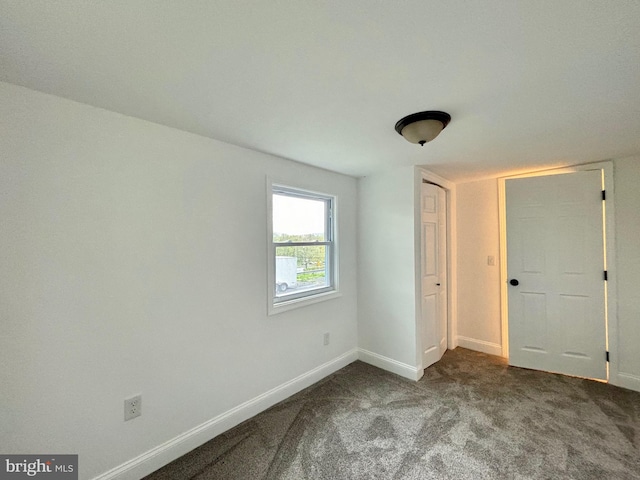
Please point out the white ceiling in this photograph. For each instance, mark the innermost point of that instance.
(528, 83)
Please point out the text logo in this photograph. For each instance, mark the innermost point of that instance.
(45, 467)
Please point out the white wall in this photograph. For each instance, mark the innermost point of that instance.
(627, 271)
(386, 270)
(478, 236)
(133, 260)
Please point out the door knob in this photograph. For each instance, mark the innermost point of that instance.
(437, 284)
(514, 282)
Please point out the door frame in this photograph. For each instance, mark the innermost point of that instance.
(449, 188)
(611, 317)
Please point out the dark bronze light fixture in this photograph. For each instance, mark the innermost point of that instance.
(422, 127)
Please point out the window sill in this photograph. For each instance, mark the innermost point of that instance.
(280, 307)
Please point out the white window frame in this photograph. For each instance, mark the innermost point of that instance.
(282, 304)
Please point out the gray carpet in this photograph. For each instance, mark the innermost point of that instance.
(470, 417)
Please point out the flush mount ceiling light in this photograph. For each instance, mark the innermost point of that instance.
(422, 127)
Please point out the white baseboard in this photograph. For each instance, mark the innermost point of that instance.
(159, 456)
(480, 345)
(626, 380)
(390, 365)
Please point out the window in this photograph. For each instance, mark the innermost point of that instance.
(302, 250)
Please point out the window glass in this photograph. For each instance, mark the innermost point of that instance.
(303, 245)
(298, 218)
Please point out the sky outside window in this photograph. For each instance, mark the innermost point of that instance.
(298, 216)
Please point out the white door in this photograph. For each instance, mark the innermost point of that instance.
(555, 264)
(434, 273)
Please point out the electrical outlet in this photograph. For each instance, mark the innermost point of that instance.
(491, 261)
(326, 338)
(132, 407)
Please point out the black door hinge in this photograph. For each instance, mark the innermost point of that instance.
(605, 276)
(604, 195)
(607, 356)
